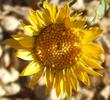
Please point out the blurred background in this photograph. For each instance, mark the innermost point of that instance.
(13, 87)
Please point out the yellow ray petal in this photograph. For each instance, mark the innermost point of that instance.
(93, 52)
(32, 19)
(93, 56)
(13, 43)
(82, 76)
(40, 18)
(40, 14)
(47, 17)
(24, 54)
(57, 84)
(51, 9)
(66, 89)
(76, 16)
(62, 13)
(86, 79)
(35, 79)
(91, 34)
(24, 40)
(31, 31)
(79, 23)
(93, 47)
(35, 19)
(91, 62)
(68, 23)
(62, 86)
(74, 81)
(88, 70)
(49, 80)
(31, 69)
(68, 84)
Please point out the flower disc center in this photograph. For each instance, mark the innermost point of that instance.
(57, 46)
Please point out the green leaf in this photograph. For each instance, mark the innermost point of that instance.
(100, 11)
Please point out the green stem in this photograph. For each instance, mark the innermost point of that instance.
(68, 98)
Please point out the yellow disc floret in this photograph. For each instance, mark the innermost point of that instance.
(57, 46)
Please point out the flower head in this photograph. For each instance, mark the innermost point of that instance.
(60, 48)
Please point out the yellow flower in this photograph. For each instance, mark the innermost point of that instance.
(60, 47)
